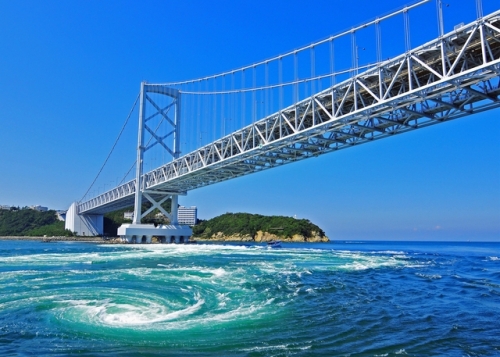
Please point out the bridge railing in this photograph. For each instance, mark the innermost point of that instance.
(113, 199)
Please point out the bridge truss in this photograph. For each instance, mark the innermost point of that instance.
(456, 75)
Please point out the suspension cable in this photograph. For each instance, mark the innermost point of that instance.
(114, 145)
(124, 177)
(304, 48)
(297, 81)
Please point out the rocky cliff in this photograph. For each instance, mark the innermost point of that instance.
(265, 237)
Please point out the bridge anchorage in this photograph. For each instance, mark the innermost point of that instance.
(452, 76)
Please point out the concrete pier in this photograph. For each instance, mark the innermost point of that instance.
(143, 233)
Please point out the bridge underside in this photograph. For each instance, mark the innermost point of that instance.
(452, 77)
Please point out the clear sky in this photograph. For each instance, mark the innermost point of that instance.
(71, 70)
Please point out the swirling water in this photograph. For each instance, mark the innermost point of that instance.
(359, 299)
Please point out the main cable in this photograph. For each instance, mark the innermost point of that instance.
(112, 149)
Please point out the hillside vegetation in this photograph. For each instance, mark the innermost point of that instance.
(245, 224)
(28, 222)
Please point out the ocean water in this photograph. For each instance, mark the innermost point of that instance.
(340, 299)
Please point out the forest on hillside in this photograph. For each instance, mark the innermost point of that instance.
(250, 224)
(29, 222)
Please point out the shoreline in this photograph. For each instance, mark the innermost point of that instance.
(116, 240)
(59, 239)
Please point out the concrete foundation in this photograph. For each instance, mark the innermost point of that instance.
(143, 233)
(83, 225)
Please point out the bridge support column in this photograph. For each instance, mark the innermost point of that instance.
(174, 210)
(83, 225)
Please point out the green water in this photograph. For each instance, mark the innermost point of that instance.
(101, 300)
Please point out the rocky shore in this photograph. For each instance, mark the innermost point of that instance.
(265, 237)
(260, 237)
(63, 239)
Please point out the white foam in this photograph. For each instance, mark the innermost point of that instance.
(430, 277)
(265, 348)
(106, 312)
(215, 272)
(394, 252)
(367, 262)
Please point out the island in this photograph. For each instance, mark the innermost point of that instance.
(246, 227)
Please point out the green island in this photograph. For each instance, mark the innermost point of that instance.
(257, 228)
(243, 227)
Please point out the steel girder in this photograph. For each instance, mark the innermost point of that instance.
(119, 197)
(451, 77)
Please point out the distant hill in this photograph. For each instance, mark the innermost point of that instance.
(258, 228)
(28, 222)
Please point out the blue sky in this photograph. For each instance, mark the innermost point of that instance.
(71, 70)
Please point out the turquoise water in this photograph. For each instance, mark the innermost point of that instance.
(341, 299)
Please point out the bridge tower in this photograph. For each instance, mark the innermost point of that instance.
(136, 232)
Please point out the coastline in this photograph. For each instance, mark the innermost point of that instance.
(59, 239)
(116, 240)
(263, 237)
(282, 240)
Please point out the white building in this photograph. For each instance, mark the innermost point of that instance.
(39, 208)
(128, 215)
(187, 215)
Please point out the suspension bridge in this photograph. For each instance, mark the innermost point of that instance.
(295, 106)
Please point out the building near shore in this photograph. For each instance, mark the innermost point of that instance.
(187, 215)
(128, 215)
(39, 208)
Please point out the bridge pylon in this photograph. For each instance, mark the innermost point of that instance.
(136, 232)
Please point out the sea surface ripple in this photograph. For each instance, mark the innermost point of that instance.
(358, 299)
